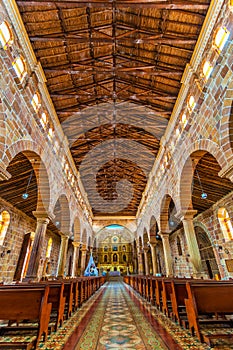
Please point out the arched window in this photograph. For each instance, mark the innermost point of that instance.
(49, 248)
(4, 224)
(36, 101)
(6, 35)
(179, 248)
(191, 103)
(221, 37)
(225, 223)
(124, 258)
(105, 248)
(124, 248)
(105, 258)
(44, 120)
(184, 120)
(56, 146)
(115, 257)
(19, 66)
(50, 133)
(207, 69)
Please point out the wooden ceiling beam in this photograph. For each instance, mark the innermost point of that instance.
(166, 5)
(97, 70)
(65, 39)
(154, 96)
(143, 87)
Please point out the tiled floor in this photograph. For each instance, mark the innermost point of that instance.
(116, 317)
(118, 323)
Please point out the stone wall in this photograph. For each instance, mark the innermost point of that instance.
(20, 224)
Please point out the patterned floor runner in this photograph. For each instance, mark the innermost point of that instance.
(118, 323)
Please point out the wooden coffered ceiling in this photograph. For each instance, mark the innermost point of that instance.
(113, 71)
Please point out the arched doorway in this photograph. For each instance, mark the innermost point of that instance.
(209, 263)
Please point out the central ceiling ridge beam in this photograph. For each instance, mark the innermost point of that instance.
(110, 96)
(160, 5)
(110, 40)
(99, 70)
(157, 111)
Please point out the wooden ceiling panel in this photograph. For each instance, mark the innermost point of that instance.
(114, 53)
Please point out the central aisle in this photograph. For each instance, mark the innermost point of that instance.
(118, 323)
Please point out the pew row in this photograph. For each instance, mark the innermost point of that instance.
(20, 304)
(196, 304)
(209, 304)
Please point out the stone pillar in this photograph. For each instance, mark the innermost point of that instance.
(193, 249)
(135, 265)
(145, 250)
(83, 259)
(62, 255)
(154, 258)
(75, 258)
(140, 263)
(37, 248)
(167, 254)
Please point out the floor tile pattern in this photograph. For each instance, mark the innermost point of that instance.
(119, 324)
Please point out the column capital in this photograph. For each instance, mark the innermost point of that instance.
(43, 215)
(164, 233)
(186, 214)
(76, 244)
(145, 249)
(64, 236)
(153, 243)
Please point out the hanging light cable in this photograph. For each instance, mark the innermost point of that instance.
(203, 194)
(25, 195)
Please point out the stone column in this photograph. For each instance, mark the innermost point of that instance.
(75, 258)
(62, 255)
(140, 263)
(145, 250)
(154, 258)
(135, 264)
(193, 249)
(167, 254)
(83, 259)
(37, 248)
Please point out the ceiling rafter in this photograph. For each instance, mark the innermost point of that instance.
(169, 5)
(156, 42)
(106, 61)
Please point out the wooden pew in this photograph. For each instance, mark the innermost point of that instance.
(158, 292)
(56, 297)
(166, 296)
(209, 303)
(31, 304)
(178, 296)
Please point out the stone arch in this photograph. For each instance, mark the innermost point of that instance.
(140, 242)
(190, 160)
(207, 251)
(89, 244)
(145, 237)
(84, 237)
(77, 229)
(204, 228)
(62, 214)
(38, 160)
(154, 229)
(164, 213)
